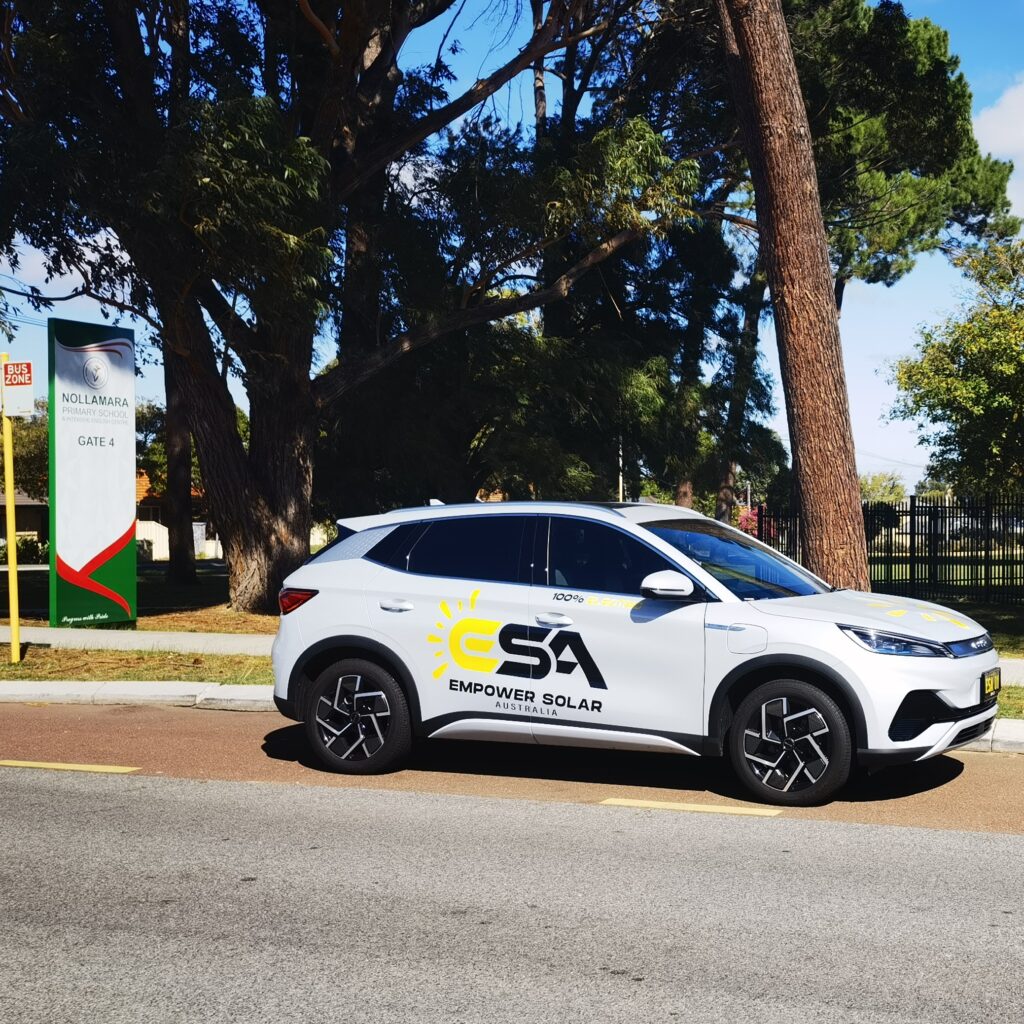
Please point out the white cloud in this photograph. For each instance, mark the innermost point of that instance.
(1000, 131)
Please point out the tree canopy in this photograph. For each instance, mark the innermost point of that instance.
(964, 383)
(426, 292)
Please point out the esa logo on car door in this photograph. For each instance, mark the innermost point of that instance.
(448, 590)
(650, 652)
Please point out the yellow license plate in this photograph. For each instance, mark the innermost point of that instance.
(991, 681)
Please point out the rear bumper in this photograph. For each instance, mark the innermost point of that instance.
(287, 708)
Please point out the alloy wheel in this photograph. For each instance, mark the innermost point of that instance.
(788, 746)
(353, 722)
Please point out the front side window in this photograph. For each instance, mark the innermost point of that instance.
(584, 555)
(749, 569)
(482, 548)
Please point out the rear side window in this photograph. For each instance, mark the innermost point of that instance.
(394, 548)
(482, 548)
(584, 555)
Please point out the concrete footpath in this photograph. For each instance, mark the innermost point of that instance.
(143, 640)
(212, 696)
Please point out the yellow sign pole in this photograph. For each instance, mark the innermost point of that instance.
(12, 534)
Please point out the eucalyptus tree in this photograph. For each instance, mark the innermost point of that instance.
(220, 167)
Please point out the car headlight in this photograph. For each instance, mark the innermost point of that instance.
(892, 643)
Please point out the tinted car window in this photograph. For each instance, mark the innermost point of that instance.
(748, 568)
(394, 549)
(585, 555)
(480, 548)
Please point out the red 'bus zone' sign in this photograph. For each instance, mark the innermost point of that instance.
(17, 375)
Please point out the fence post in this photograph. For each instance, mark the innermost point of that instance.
(912, 591)
(988, 546)
(760, 523)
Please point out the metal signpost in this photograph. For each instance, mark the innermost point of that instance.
(18, 400)
(92, 474)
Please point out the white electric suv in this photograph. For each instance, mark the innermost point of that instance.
(632, 626)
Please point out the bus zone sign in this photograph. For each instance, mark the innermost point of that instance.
(19, 399)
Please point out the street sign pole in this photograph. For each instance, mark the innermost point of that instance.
(12, 533)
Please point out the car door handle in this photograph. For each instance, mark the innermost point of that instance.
(396, 604)
(554, 619)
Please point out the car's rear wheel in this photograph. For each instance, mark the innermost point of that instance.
(357, 719)
(790, 744)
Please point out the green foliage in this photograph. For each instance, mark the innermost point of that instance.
(32, 453)
(893, 175)
(964, 384)
(933, 488)
(30, 551)
(622, 179)
(252, 195)
(884, 486)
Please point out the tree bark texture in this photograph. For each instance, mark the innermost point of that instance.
(777, 139)
(259, 499)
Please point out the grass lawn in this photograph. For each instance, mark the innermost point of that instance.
(1011, 702)
(198, 608)
(109, 666)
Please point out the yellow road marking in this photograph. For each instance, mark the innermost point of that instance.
(664, 805)
(113, 769)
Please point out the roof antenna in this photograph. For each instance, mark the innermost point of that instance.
(435, 501)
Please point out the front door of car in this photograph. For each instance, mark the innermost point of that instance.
(444, 604)
(617, 660)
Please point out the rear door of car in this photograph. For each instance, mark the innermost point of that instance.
(449, 590)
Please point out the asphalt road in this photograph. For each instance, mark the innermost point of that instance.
(131, 898)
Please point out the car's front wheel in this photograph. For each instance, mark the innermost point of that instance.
(790, 744)
(357, 719)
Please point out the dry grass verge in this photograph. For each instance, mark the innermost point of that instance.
(110, 666)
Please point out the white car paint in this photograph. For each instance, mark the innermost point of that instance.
(662, 664)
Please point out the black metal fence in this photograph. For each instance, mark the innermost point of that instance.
(971, 549)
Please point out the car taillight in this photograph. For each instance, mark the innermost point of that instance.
(292, 597)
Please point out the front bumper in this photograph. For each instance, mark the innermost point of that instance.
(953, 734)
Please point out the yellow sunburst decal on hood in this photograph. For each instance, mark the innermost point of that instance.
(897, 609)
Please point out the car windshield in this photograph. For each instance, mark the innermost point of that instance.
(748, 568)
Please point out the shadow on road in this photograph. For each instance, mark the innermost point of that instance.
(615, 768)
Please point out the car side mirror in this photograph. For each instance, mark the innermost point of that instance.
(667, 585)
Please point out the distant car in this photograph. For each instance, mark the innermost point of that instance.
(635, 627)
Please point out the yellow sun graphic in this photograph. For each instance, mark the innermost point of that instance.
(932, 615)
(467, 638)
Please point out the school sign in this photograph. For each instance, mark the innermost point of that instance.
(92, 474)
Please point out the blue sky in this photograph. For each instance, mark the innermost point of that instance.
(878, 324)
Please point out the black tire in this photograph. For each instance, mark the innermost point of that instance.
(357, 719)
(789, 744)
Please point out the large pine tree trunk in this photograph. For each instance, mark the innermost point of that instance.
(777, 138)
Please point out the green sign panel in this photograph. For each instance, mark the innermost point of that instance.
(92, 474)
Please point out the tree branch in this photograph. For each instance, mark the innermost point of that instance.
(35, 296)
(233, 328)
(321, 29)
(332, 385)
(378, 158)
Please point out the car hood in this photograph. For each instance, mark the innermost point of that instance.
(901, 615)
